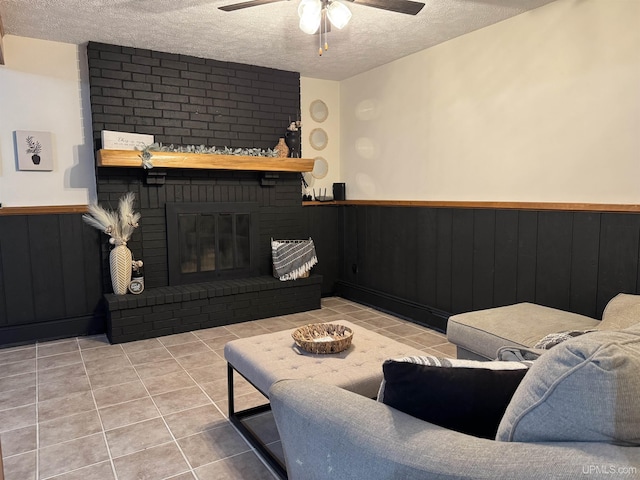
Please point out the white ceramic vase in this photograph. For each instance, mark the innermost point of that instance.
(120, 264)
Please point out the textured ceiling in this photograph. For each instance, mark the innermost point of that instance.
(265, 35)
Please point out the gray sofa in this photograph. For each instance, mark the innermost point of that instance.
(479, 334)
(575, 414)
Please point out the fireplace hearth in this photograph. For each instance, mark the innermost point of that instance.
(168, 310)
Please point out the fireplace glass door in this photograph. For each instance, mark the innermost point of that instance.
(209, 241)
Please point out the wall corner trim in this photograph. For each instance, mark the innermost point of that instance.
(1, 44)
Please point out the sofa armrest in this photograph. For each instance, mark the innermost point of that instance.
(330, 433)
(622, 311)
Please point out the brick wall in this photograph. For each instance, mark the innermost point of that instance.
(280, 211)
(205, 305)
(187, 100)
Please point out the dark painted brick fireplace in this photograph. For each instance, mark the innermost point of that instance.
(186, 100)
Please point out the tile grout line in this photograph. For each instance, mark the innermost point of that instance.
(226, 417)
(251, 449)
(74, 469)
(174, 439)
(95, 404)
(37, 416)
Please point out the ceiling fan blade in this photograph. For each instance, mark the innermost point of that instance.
(250, 3)
(401, 6)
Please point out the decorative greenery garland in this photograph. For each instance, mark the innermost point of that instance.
(147, 150)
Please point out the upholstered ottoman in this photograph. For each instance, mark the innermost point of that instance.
(265, 359)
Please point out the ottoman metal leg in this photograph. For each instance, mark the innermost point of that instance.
(236, 418)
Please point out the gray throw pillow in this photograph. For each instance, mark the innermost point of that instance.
(584, 389)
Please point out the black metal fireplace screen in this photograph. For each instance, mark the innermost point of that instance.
(210, 241)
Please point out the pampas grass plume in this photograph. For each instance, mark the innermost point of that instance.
(118, 225)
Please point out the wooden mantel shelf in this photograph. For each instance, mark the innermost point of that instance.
(131, 158)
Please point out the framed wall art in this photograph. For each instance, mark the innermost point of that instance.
(34, 150)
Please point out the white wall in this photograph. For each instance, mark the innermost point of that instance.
(329, 92)
(44, 87)
(541, 107)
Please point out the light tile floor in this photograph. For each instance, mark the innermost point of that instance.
(82, 409)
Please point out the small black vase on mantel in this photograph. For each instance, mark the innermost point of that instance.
(292, 139)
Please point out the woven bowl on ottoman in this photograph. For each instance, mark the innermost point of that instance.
(323, 337)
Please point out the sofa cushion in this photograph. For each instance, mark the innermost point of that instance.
(584, 389)
(483, 332)
(463, 395)
(622, 311)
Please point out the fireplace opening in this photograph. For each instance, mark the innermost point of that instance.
(211, 241)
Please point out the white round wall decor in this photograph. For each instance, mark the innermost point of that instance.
(319, 111)
(320, 167)
(318, 138)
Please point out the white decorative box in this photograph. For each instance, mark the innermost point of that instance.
(125, 141)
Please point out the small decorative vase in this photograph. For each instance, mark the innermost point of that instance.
(282, 148)
(120, 264)
(292, 138)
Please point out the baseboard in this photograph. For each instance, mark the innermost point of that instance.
(52, 330)
(415, 312)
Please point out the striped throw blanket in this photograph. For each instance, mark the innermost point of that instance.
(292, 258)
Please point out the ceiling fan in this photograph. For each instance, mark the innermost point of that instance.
(315, 13)
(408, 7)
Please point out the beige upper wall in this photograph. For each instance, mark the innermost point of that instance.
(1, 43)
(541, 107)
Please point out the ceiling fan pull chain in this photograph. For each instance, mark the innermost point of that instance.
(326, 43)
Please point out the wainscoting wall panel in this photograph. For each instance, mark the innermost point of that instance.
(618, 260)
(455, 260)
(323, 225)
(422, 262)
(49, 277)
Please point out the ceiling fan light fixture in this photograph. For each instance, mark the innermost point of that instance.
(310, 13)
(309, 6)
(310, 25)
(338, 13)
